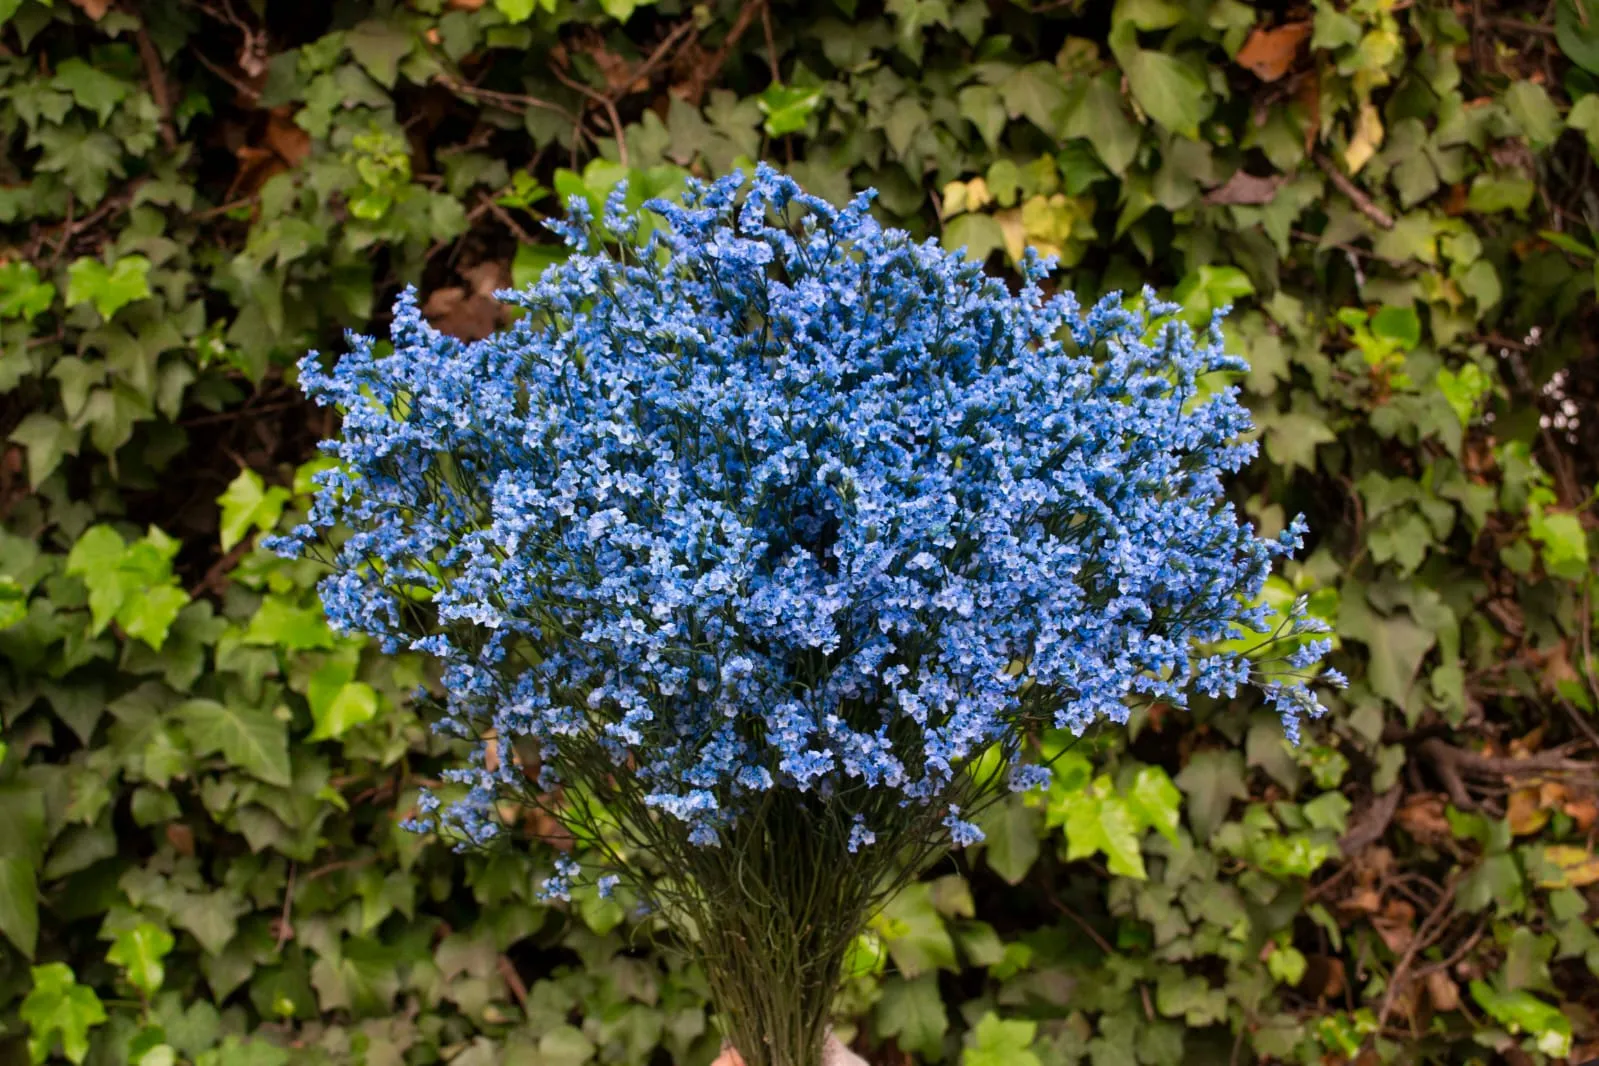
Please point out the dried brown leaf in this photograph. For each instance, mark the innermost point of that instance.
(1270, 53)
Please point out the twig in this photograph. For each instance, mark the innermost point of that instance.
(702, 77)
(605, 102)
(771, 43)
(510, 223)
(1361, 201)
(1372, 823)
(238, 86)
(512, 979)
(1429, 926)
(509, 101)
(342, 864)
(646, 68)
(159, 90)
(1586, 636)
(285, 929)
(1093, 934)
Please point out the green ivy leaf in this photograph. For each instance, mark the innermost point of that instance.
(91, 88)
(351, 704)
(278, 622)
(19, 902)
(1563, 540)
(1097, 819)
(787, 107)
(996, 1042)
(911, 1011)
(57, 1007)
(139, 951)
(1096, 113)
(109, 289)
(914, 932)
(22, 294)
(248, 503)
(1529, 105)
(1169, 90)
(1522, 1012)
(48, 440)
(1577, 33)
(1155, 801)
(1212, 779)
(248, 737)
(1463, 388)
(1010, 837)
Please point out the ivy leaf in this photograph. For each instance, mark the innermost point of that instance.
(787, 108)
(1522, 1012)
(532, 260)
(91, 87)
(1529, 105)
(1212, 779)
(109, 289)
(911, 1011)
(248, 503)
(1577, 33)
(249, 738)
(139, 951)
(516, 10)
(996, 1042)
(1096, 819)
(96, 557)
(19, 903)
(22, 294)
(379, 46)
(351, 704)
(1462, 389)
(984, 108)
(86, 159)
(1097, 114)
(1155, 801)
(1169, 90)
(981, 235)
(1035, 92)
(1010, 838)
(1563, 540)
(278, 622)
(914, 932)
(48, 440)
(58, 1007)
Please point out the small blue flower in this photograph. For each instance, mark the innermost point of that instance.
(786, 500)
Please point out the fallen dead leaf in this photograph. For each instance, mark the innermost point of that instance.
(288, 141)
(1443, 991)
(95, 9)
(1578, 867)
(465, 315)
(1526, 812)
(1269, 53)
(1324, 977)
(1244, 188)
(1585, 812)
(467, 5)
(1396, 925)
(181, 837)
(1422, 816)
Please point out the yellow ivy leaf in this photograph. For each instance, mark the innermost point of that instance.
(1578, 866)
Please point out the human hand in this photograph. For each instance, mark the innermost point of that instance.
(834, 1053)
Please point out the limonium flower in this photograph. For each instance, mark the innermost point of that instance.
(773, 508)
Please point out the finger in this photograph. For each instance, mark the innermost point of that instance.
(729, 1057)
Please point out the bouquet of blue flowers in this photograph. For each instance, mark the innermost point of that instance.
(778, 535)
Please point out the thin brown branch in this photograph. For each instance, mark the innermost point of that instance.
(1093, 934)
(1362, 202)
(703, 76)
(159, 90)
(1423, 937)
(604, 101)
(684, 29)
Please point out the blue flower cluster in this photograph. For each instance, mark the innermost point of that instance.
(777, 498)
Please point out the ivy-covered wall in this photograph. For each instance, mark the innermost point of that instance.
(200, 857)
